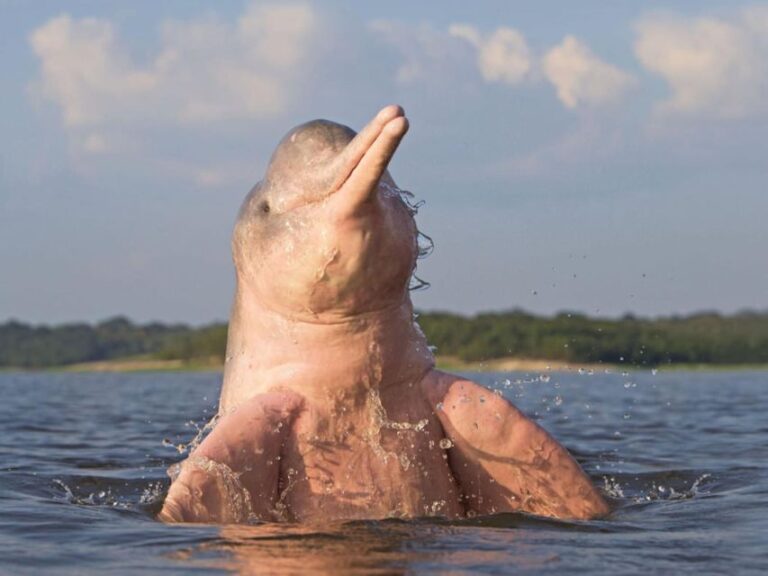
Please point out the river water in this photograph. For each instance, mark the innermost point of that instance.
(682, 455)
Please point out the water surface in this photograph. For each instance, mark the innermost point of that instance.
(682, 455)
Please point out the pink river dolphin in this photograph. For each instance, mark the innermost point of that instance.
(331, 406)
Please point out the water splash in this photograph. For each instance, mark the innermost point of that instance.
(612, 487)
(380, 421)
(152, 494)
(104, 497)
(424, 243)
(416, 284)
(662, 492)
(229, 485)
(405, 196)
(658, 491)
(281, 512)
(200, 435)
(435, 508)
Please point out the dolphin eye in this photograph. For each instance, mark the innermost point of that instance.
(264, 207)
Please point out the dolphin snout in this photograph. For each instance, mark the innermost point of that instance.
(366, 157)
(388, 113)
(396, 128)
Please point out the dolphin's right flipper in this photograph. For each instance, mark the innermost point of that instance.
(232, 477)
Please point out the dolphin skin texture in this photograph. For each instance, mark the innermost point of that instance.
(331, 407)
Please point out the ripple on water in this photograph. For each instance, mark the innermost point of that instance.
(686, 475)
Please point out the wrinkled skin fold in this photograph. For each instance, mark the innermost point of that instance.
(331, 407)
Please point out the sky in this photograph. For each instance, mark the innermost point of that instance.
(592, 156)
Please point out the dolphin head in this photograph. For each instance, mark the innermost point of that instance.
(326, 233)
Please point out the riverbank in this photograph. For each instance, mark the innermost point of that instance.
(515, 339)
(450, 363)
(511, 364)
(143, 364)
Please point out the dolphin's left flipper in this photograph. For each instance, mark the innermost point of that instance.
(505, 462)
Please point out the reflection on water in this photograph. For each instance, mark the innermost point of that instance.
(375, 547)
(271, 549)
(681, 455)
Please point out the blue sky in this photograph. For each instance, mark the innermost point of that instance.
(605, 157)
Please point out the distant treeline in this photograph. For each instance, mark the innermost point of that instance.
(706, 338)
(25, 346)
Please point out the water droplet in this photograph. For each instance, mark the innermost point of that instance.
(446, 444)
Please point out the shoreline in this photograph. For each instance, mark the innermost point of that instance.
(508, 364)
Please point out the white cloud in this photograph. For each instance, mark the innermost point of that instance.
(427, 53)
(714, 66)
(589, 143)
(95, 144)
(83, 71)
(502, 57)
(580, 77)
(205, 71)
(231, 173)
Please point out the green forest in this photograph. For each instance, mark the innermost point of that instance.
(705, 338)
